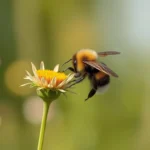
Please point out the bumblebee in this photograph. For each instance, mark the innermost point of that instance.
(85, 63)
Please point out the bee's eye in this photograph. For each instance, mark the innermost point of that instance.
(75, 62)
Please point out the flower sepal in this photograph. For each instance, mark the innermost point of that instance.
(48, 95)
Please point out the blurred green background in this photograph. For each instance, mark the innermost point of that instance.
(52, 31)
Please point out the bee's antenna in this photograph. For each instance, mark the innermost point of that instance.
(66, 62)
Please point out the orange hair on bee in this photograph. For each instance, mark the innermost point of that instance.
(99, 75)
(85, 54)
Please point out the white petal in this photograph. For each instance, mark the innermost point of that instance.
(61, 84)
(28, 78)
(53, 82)
(29, 74)
(50, 85)
(71, 92)
(61, 90)
(40, 88)
(70, 77)
(56, 69)
(35, 80)
(34, 70)
(44, 82)
(25, 84)
(42, 67)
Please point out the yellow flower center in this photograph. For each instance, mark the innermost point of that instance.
(49, 75)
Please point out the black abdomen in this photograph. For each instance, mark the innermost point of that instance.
(103, 81)
(99, 79)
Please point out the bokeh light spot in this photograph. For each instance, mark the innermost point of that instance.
(14, 77)
(33, 109)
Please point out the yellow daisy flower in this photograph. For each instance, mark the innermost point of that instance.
(48, 79)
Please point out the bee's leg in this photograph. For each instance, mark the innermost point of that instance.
(78, 76)
(76, 81)
(69, 68)
(94, 88)
(91, 93)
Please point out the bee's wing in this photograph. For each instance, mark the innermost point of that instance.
(103, 54)
(101, 67)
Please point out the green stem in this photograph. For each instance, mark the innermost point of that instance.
(43, 124)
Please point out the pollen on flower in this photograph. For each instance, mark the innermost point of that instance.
(48, 75)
